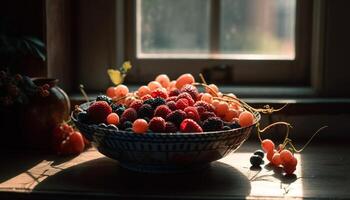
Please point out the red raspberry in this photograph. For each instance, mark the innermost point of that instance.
(192, 90)
(174, 92)
(170, 127)
(171, 105)
(129, 114)
(186, 96)
(176, 116)
(159, 93)
(182, 104)
(162, 111)
(190, 126)
(98, 111)
(157, 124)
(146, 97)
(200, 109)
(136, 104)
(173, 98)
(208, 107)
(192, 113)
(207, 115)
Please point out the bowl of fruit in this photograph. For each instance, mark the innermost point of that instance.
(166, 126)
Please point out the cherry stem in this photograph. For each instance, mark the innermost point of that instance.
(271, 125)
(81, 87)
(202, 78)
(289, 141)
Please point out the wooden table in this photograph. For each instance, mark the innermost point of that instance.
(322, 173)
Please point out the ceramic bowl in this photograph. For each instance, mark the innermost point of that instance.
(163, 152)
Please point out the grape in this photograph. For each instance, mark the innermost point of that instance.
(255, 160)
(111, 92)
(183, 80)
(246, 118)
(143, 90)
(113, 118)
(164, 80)
(267, 145)
(121, 90)
(154, 85)
(140, 126)
(259, 153)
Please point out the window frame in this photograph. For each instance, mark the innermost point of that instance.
(244, 71)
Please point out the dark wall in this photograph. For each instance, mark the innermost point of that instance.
(24, 18)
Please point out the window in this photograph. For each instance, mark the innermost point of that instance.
(249, 41)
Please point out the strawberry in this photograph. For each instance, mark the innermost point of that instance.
(190, 126)
(98, 112)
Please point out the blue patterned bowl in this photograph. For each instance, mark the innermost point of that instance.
(163, 152)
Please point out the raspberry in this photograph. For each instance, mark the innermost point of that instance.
(174, 92)
(104, 98)
(207, 115)
(145, 110)
(176, 116)
(98, 111)
(162, 111)
(186, 96)
(206, 105)
(159, 93)
(136, 104)
(189, 126)
(170, 127)
(146, 97)
(171, 105)
(182, 104)
(192, 90)
(157, 124)
(192, 113)
(213, 124)
(129, 114)
(173, 98)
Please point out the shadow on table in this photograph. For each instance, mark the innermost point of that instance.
(105, 176)
(13, 165)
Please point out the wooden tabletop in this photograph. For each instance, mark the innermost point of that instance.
(322, 172)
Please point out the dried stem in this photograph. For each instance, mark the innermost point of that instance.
(81, 87)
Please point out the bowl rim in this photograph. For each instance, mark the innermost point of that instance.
(256, 114)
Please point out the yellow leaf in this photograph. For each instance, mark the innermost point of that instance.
(126, 65)
(115, 76)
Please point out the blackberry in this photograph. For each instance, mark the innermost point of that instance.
(176, 116)
(213, 124)
(104, 98)
(234, 125)
(145, 111)
(157, 102)
(149, 101)
(118, 108)
(259, 153)
(125, 125)
(82, 117)
(256, 160)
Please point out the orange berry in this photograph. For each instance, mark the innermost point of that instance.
(289, 169)
(111, 92)
(183, 80)
(246, 118)
(276, 159)
(267, 145)
(215, 103)
(154, 85)
(121, 90)
(270, 154)
(230, 114)
(143, 90)
(286, 156)
(163, 79)
(140, 126)
(213, 88)
(171, 85)
(113, 118)
(221, 108)
(207, 97)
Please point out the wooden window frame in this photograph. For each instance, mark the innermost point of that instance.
(294, 72)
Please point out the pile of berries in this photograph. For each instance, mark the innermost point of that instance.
(67, 141)
(277, 157)
(165, 106)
